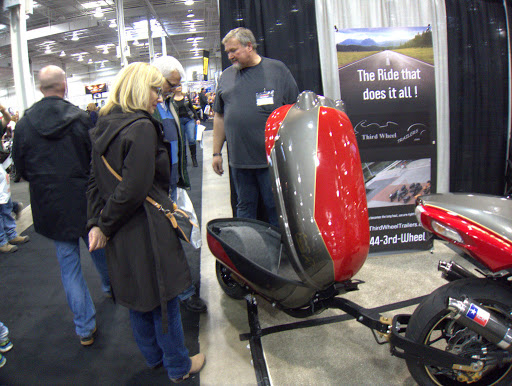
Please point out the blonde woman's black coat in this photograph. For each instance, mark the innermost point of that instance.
(146, 262)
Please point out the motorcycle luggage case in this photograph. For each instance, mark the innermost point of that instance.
(318, 185)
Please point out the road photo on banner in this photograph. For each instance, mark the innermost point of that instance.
(399, 182)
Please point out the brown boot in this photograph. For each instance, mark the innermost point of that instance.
(197, 364)
(19, 240)
(8, 248)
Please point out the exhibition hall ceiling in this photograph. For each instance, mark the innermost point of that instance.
(82, 35)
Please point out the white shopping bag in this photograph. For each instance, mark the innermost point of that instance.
(185, 204)
(199, 132)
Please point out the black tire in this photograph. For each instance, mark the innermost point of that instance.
(230, 286)
(431, 324)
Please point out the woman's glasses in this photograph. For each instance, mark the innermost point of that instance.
(158, 91)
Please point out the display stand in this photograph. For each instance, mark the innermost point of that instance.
(369, 317)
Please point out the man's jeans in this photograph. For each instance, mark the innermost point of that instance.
(158, 347)
(7, 223)
(75, 287)
(250, 183)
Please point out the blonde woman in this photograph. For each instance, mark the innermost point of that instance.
(146, 263)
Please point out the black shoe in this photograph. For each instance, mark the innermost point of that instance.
(194, 304)
(194, 162)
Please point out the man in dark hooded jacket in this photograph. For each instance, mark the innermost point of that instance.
(52, 151)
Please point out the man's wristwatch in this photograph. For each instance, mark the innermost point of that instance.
(216, 154)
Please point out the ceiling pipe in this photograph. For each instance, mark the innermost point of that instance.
(155, 15)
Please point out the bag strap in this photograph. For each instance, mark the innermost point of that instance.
(166, 212)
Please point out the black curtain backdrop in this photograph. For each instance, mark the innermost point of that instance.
(284, 30)
(508, 177)
(478, 73)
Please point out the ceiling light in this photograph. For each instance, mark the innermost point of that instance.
(62, 53)
(113, 23)
(98, 13)
(48, 50)
(91, 4)
(105, 50)
(135, 42)
(190, 14)
(102, 65)
(90, 61)
(75, 36)
(80, 58)
(189, 2)
(192, 22)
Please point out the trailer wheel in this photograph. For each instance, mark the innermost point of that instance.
(230, 286)
(432, 324)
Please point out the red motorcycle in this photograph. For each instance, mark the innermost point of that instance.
(471, 316)
(458, 334)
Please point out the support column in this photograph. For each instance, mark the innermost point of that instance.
(19, 52)
(150, 40)
(164, 46)
(121, 33)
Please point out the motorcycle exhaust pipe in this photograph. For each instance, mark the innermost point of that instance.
(484, 322)
(452, 271)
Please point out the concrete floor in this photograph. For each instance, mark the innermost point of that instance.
(343, 353)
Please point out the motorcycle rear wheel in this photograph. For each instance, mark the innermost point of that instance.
(432, 325)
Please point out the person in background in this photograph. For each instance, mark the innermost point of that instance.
(92, 110)
(52, 151)
(5, 343)
(9, 238)
(188, 121)
(211, 101)
(172, 70)
(7, 142)
(145, 257)
(247, 93)
(6, 118)
(203, 101)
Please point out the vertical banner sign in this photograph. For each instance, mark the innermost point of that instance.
(206, 58)
(387, 84)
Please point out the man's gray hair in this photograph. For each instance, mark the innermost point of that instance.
(167, 65)
(243, 35)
